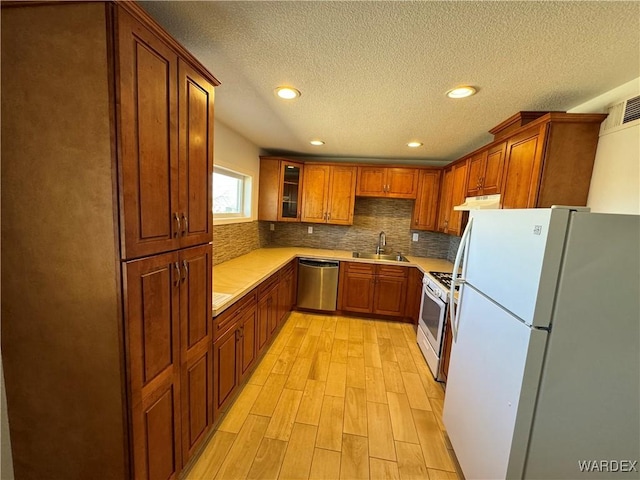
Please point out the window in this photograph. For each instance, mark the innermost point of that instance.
(231, 194)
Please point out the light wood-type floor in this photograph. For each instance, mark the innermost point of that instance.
(334, 398)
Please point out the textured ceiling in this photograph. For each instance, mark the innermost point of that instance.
(373, 75)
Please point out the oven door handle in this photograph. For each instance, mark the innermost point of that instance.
(432, 296)
(454, 315)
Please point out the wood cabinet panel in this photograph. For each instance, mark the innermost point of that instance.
(160, 458)
(248, 352)
(523, 166)
(492, 178)
(149, 139)
(402, 182)
(371, 181)
(390, 182)
(476, 167)
(152, 327)
(196, 347)
(390, 295)
(196, 99)
(370, 288)
(225, 370)
(329, 194)
(197, 413)
(268, 310)
(445, 206)
(286, 291)
(341, 195)
(425, 212)
(315, 193)
(135, 111)
(454, 188)
(457, 197)
(414, 295)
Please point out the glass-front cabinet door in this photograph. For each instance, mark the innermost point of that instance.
(290, 191)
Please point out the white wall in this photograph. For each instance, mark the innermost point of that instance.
(615, 184)
(233, 151)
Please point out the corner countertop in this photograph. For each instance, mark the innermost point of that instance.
(234, 278)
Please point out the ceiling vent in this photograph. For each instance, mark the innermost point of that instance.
(622, 115)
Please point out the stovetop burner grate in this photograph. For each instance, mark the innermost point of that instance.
(444, 278)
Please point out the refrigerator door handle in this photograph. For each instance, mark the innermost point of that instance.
(462, 248)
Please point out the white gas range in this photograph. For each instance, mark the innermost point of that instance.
(433, 317)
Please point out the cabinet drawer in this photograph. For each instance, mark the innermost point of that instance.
(361, 268)
(229, 317)
(268, 285)
(392, 271)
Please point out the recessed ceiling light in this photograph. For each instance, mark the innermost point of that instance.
(287, 93)
(414, 144)
(461, 92)
(316, 142)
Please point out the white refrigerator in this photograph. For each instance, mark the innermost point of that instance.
(544, 376)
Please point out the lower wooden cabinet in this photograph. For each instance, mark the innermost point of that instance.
(286, 291)
(234, 349)
(241, 333)
(169, 336)
(226, 374)
(371, 288)
(445, 356)
(414, 295)
(268, 311)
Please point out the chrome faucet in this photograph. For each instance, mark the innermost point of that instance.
(382, 242)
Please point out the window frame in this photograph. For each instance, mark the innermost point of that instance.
(244, 197)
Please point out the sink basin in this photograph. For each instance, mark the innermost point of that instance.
(380, 256)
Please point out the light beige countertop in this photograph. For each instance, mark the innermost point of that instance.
(234, 278)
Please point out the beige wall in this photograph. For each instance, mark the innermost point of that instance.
(615, 184)
(233, 151)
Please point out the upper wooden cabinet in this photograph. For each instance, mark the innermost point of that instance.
(425, 212)
(328, 194)
(280, 190)
(166, 125)
(485, 171)
(551, 161)
(452, 193)
(388, 182)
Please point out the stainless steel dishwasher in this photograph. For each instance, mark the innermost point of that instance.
(317, 284)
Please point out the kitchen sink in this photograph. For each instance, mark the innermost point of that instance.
(380, 256)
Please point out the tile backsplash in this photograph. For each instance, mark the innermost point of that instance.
(371, 216)
(231, 241)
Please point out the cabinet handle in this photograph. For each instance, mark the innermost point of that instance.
(328, 216)
(237, 333)
(177, 219)
(176, 267)
(185, 265)
(185, 224)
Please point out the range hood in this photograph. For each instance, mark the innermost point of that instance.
(479, 203)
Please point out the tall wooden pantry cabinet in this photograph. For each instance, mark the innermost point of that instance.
(107, 158)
